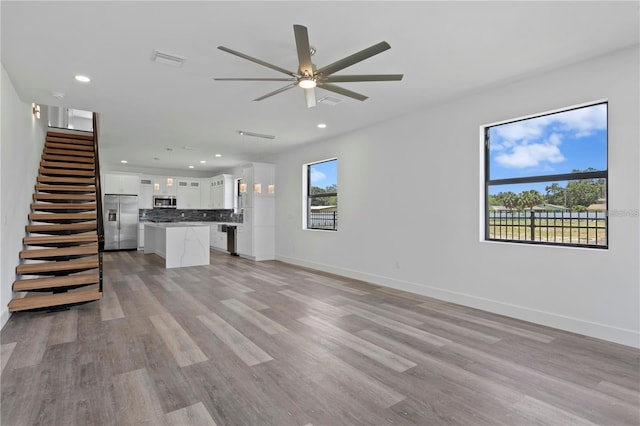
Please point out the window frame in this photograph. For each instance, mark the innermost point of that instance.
(568, 177)
(308, 197)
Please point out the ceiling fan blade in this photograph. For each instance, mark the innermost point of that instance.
(254, 79)
(342, 91)
(354, 59)
(304, 50)
(356, 78)
(257, 61)
(310, 95)
(275, 92)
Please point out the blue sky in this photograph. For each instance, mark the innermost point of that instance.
(324, 174)
(551, 144)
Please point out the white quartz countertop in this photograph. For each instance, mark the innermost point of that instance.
(186, 224)
(175, 224)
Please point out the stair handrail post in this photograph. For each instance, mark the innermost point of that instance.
(100, 223)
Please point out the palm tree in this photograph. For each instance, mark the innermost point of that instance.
(530, 198)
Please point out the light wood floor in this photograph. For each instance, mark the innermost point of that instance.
(244, 343)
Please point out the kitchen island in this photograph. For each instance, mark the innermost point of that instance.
(179, 243)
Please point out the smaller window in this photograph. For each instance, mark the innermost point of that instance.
(322, 195)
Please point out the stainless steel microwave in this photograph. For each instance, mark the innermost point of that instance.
(164, 202)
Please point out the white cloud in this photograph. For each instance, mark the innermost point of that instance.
(317, 176)
(525, 143)
(531, 155)
(583, 121)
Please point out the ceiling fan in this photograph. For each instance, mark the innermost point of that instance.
(308, 77)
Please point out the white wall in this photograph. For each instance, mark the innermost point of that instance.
(21, 148)
(409, 207)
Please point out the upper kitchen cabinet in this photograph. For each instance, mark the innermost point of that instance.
(188, 194)
(120, 183)
(264, 184)
(163, 185)
(205, 194)
(221, 192)
(145, 200)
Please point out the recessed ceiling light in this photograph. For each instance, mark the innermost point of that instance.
(218, 155)
(83, 78)
(191, 167)
(322, 126)
(123, 161)
(202, 161)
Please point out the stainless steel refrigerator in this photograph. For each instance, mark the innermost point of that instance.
(120, 222)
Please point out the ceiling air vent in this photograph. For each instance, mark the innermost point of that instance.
(167, 59)
(330, 100)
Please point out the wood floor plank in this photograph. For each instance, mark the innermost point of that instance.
(315, 304)
(254, 317)
(182, 347)
(64, 327)
(376, 353)
(244, 348)
(196, 414)
(6, 349)
(137, 402)
(398, 326)
(491, 324)
(110, 306)
(30, 350)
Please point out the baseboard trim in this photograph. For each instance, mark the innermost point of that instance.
(575, 325)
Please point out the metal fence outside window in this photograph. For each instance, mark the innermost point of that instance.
(323, 220)
(584, 229)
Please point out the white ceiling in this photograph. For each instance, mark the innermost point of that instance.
(444, 49)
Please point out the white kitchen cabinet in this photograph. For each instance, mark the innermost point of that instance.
(217, 239)
(205, 194)
(140, 235)
(145, 198)
(221, 192)
(256, 235)
(188, 194)
(164, 185)
(118, 183)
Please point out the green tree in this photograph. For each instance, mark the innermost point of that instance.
(330, 200)
(529, 199)
(508, 199)
(555, 194)
(585, 192)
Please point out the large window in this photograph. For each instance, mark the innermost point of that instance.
(322, 195)
(546, 179)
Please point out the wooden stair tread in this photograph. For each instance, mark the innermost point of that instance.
(47, 228)
(81, 136)
(62, 217)
(60, 239)
(66, 165)
(35, 302)
(71, 141)
(49, 268)
(69, 146)
(53, 282)
(62, 197)
(66, 157)
(60, 188)
(66, 180)
(63, 207)
(65, 172)
(59, 251)
(57, 151)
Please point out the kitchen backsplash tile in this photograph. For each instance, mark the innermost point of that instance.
(176, 215)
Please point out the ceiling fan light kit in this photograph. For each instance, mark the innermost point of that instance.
(308, 78)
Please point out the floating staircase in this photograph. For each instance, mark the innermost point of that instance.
(61, 263)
